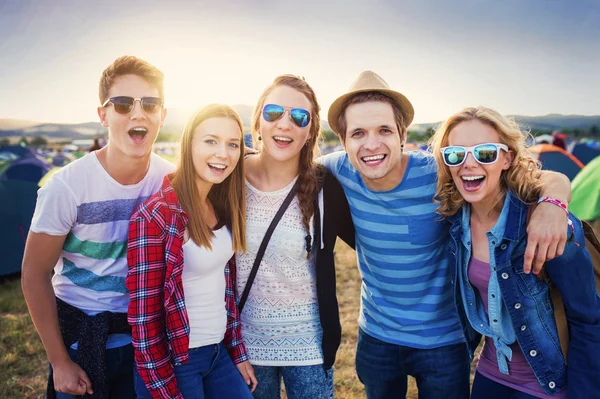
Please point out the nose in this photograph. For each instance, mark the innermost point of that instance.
(470, 161)
(221, 151)
(284, 123)
(137, 112)
(372, 142)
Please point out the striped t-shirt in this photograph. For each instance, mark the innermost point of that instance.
(406, 294)
(83, 202)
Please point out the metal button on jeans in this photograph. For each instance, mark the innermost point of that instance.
(503, 247)
(523, 327)
(504, 276)
(533, 353)
(552, 385)
(517, 306)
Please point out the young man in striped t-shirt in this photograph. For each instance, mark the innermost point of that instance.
(79, 231)
(408, 324)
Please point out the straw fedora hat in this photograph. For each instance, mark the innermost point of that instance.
(370, 81)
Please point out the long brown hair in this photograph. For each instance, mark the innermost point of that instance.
(309, 171)
(227, 198)
(521, 177)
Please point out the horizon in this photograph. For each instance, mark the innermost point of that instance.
(38, 123)
(536, 58)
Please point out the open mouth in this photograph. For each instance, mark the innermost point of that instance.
(472, 183)
(217, 167)
(373, 159)
(282, 140)
(138, 134)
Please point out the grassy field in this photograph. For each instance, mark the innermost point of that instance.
(23, 365)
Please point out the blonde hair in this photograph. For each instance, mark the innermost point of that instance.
(310, 172)
(521, 176)
(227, 198)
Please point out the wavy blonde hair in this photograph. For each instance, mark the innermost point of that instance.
(521, 177)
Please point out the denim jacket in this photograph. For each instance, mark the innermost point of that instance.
(520, 307)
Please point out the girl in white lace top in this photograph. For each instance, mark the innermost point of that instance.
(284, 332)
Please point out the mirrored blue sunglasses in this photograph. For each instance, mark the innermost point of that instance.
(272, 112)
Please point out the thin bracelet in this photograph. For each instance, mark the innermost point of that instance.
(555, 202)
(564, 207)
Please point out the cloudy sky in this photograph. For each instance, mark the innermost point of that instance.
(528, 57)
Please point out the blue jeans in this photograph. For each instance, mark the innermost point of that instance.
(119, 373)
(441, 373)
(301, 382)
(209, 373)
(484, 388)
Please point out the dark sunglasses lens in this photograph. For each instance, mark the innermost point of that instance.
(272, 112)
(486, 153)
(151, 104)
(454, 155)
(123, 105)
(301, 117)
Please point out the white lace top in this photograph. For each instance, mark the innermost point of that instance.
(280, 321)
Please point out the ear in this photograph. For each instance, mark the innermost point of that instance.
(163, 115)
(508, 158)
(403, 136)
(102, 115)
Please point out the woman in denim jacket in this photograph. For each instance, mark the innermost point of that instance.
(486, 183)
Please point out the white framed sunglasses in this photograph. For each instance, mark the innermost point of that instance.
(485, 154)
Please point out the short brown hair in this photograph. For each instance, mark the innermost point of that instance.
(365, 97)
(130, 65)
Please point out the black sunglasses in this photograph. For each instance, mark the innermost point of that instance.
(124, 104)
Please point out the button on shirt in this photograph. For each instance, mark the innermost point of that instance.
(496, 323)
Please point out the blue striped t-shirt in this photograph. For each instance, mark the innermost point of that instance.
(406, 294)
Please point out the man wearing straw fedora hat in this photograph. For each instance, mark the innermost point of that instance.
(408, 323)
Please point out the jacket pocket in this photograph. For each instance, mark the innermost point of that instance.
(529, 284)
(427, 229)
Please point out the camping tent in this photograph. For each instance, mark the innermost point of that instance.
(585, 201)
(18, 193)
(17, 202)
(30, 169)
(585, 152)
(555, 158)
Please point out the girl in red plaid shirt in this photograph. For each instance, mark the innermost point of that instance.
(181, 280)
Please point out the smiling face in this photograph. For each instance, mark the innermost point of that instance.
(282, 139)
(132, 134)
(373, 144)
(215, 149)
(478, 183)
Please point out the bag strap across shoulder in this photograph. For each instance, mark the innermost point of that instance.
(263, 245)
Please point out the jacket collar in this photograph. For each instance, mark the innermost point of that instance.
(516, 226)
(168, 193)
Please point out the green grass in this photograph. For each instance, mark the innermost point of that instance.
(23, 364)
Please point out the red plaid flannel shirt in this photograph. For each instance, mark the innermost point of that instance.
(157, 314)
